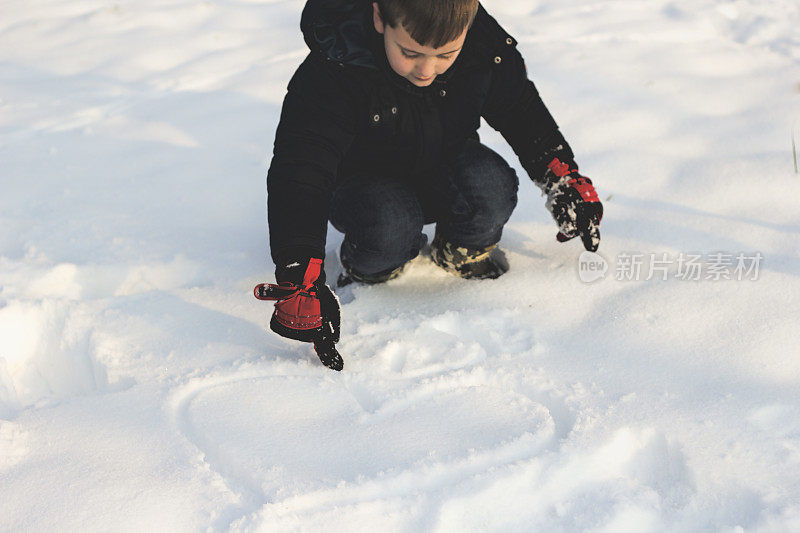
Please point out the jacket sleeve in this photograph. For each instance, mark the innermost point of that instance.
(316, 128)
(514, 108)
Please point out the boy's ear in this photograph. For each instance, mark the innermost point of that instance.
(376, 18)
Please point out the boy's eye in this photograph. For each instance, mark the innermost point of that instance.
(412, 55)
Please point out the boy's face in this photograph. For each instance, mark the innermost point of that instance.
(417, 63)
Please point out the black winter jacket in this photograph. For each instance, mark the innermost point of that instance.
(347, 112)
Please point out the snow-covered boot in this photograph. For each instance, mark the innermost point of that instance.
(469, 263)
(349, 275)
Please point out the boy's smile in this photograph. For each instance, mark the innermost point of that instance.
(417, 63)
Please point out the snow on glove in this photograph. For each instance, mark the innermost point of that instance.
(305, 308)
(573, 202)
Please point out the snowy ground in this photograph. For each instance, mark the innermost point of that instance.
(140, 388)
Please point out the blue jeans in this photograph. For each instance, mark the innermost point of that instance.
(470, 200)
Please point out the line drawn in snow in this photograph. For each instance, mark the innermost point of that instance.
(405, 444)
(405, 436)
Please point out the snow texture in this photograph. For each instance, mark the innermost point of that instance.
(141, 389)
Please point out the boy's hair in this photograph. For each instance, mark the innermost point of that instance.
(429, 22)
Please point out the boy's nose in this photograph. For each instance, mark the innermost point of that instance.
(426, 68)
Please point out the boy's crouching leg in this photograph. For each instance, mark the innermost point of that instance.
(483, 194)
(382, 222)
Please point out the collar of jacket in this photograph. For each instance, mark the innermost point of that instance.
(342, 31)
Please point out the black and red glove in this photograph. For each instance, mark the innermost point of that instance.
(305, 308)
(573, 202)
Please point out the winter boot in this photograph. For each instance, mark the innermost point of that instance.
(469, 263)
(349, 275)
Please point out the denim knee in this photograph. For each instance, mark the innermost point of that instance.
(382, 222)
(483, 194)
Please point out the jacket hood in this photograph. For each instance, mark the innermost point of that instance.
(340, 29)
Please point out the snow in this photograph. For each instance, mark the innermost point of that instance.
(140, 386)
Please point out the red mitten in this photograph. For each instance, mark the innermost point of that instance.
(305, 308)
(573, 202)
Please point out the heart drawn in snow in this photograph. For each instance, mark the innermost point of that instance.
(291, 435)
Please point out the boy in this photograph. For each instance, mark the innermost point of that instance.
(378, 135)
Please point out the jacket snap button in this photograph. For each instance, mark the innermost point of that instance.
(376, 118)
(394, 111)
(509, 41)
(497, 59)
(442, 93)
